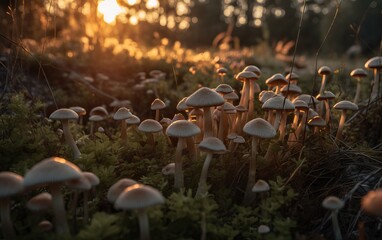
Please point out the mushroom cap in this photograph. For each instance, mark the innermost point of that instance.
(165, 122)
(79, 110)
(228, 107)
(254, 69)
(224, 88)
(333, 203)
(345, 105)
(276, 80)
(96, 118)
(150, 126)
(245, 75)
(212, 145)
(358, 73)
(309, 99)
(222, 71)
(157, 104)
(204, 97)
(259, 128)
(40, 202)
(239, 139)
(265, 95)
(300, 105)
(263, 229)
(99, 110)
(118, 187)
(374, 62)
(92, 178)
(232, 136)
(122, 113)
(10, 184)
(260, 186)
(292, 76)
(182, 129)
(64, 114)
(51, 170)
(278, 103)
(138, 196)
(178, 116)
(45, 226)
(293, 88)
(241, 108)
(231, 96)
(317, 121)
(312, 113)
(79, 184)
(169, 169)
(182, 106)
(133, 120)
(372, 202)
(325, 70)
(325, 95)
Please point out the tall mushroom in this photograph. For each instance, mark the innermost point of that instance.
(358, 74)
(53, 172)
(326, 96)
(334, 204)
(181, 129)
(276, 81)
(209, 145)
(139, 197)
(10, 184)
(157, 105)
(257, 128)
(344, 106)
(205, 98)
(375, 63)
(64, 115)
(250, 87)
(121, 115)
(324, 71)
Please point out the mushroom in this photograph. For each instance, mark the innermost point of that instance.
(210, 145)
(292, 77)
(149, 127)
(257, 128)
(250, 87)
(222, 72)
(230, 97)
(64, 115)
(326, 96)
(371, 202)
(205, 98)
(10, 184)
(139, 197)
(81, 113)
(277, 80)
(53, 172)
(344, 106)
(299, 106)
(291, 91)
(40, 202)
(358, 74)
(169, 169)
(324, 71)
(157, 105)
(45, 226)
(181, 129)
(94, 181)
(92, 120)
(334, 204)
(375, 63)
(317, 122)
(117, 188)
(121, 115)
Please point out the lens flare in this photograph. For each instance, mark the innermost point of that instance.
(110, 9)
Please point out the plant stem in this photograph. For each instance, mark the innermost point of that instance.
(202, 187)
(143, 225)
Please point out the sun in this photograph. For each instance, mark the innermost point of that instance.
(110, 9)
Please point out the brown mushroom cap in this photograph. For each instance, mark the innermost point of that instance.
(333, 203)
(239, 139)
(244, 75)
(212, 145)
(358, 73)
(265, 95)
(157, 104)
(222, 71)
(254, 69)
(79, 184)
(309, 99)
(345, 105)
(231, 96)
(51, 170)
(40, 202)
(325, 70)
(122, 113)
(292, 77)
(118, 187)
(317, 121)
(92, 178)
(300, 105)
(372, 202)
(293, 88)
(260, 186)
(374, 62)
(169, 169)
(64, 114)
(79, 110)
(138, 196)
(276, 80)
(182, 129)
(204, 97)
(96, 118)
(260, 128)
(326, 95)
(224, 88)
(150, 126)
(10, 184)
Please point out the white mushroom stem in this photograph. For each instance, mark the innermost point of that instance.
(123, 130)
(249, 195)
(282, 127)
(207, 126)
(178, 176)
(341, 125)
(191, 147)
(6, 222)
(302, 125)
(144, 227)
(375, 90)
(60, 222)
(327, 111)
(202, 187)
(336, 226)
(69, 139)
(323, 84)
(358, 91)
(277, 120)
(157, 115)
(251, 104)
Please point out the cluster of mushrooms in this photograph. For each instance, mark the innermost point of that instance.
(208, 124)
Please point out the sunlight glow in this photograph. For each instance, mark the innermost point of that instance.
(152, 4)
(110, 9)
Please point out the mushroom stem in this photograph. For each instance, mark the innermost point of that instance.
(301, 125)
(277, 120)
(323, 84)
(157, 115)
(144, 227)
(251, 104)
(336, 226)
(59, 210)
(202, 187)
(191, 147)
(341, 125)
(6, 222)
(86, 208)
(221, 124)
(327, 111)
(358, 91)
(123, 130)
(150, 139)
(69, 139)
(249, 195)
(375, 90)
(178, 176)
(207, 122)
(282, 126)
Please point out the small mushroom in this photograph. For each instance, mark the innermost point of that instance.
(81, 113)
(324, 71)
(334, 204)
(344, 106)
(117, 188)
(121, 115)
(149, 127)
(358, 74)
(169, 169)
(40, 202)
(157, 105)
